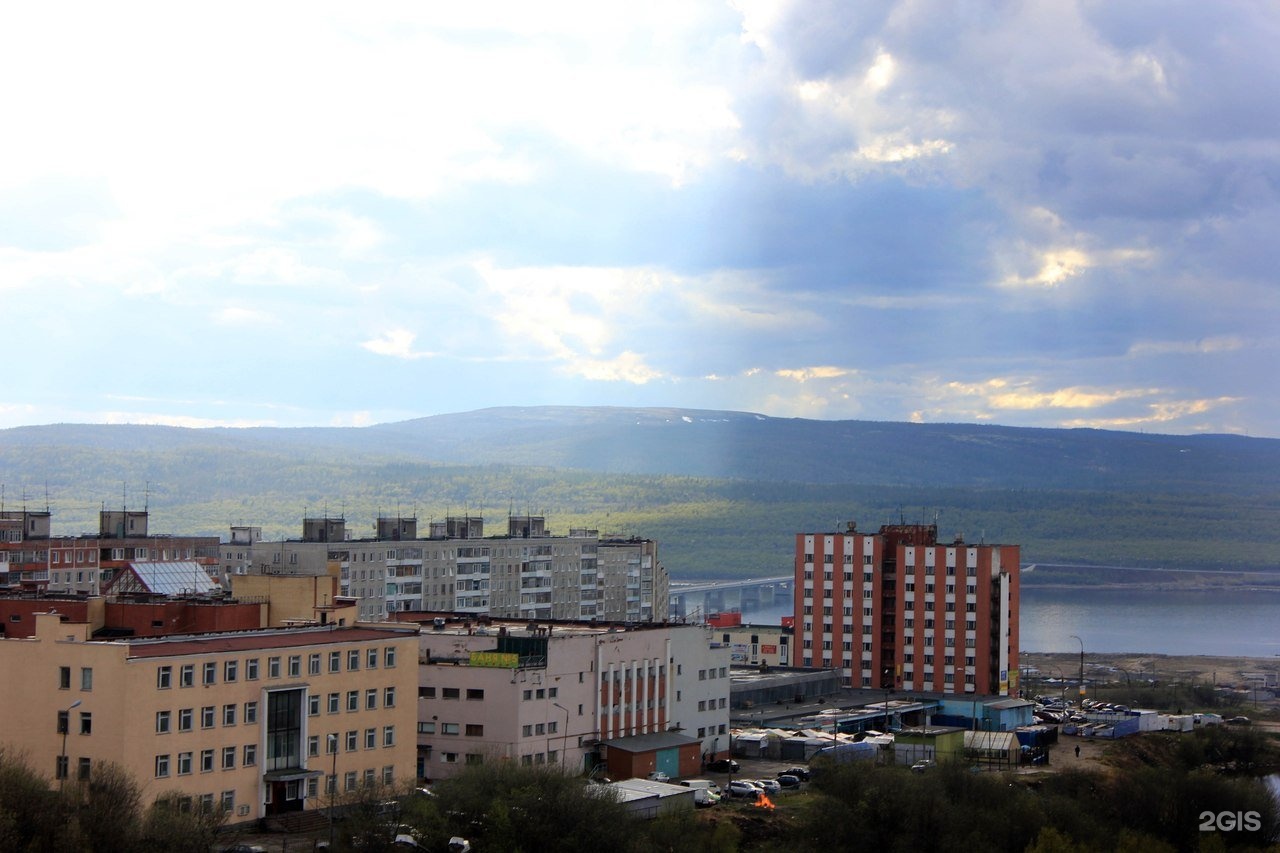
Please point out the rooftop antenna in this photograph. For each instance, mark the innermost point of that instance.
(146, 500)
(46, 497)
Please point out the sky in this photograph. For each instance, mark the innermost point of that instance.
(1046, 214)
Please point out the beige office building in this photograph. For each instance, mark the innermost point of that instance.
(259, 722)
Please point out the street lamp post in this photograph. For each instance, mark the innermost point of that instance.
(1081, 642)
(564, 736)
(333, 783)
(63, 770)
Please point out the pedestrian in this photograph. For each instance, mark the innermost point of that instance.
(1077, 750)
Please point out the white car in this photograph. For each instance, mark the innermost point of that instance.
(659, 776)
(770, 786)
(742, 788)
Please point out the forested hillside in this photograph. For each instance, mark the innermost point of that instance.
(1145, 500)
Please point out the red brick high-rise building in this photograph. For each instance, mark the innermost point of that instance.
(897, 610)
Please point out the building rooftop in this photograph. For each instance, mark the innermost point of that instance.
(265, 639)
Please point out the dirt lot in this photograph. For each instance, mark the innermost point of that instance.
(1144, 667)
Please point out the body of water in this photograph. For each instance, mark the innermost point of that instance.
(1209, 622)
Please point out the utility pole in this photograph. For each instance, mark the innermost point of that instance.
(1081, 642)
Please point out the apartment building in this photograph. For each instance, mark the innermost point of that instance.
(34, 560)
(258, 722)
(555, 693)
(896, 609)
(528, 573)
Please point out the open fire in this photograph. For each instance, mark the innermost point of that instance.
(763, 801)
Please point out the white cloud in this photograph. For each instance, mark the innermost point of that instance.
(397, 343)
(805, 374)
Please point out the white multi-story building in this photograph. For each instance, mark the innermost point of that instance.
(526, 574)
(553, 693)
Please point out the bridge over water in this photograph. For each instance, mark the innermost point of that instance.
(701, 598)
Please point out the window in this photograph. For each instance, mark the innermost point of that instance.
(229, 757)
(389, 734)
(452, 728)
(295, 666)
(162, 723)
(333, 703)
(371, 659)
(371, 699)
(389, 657)
(430, 729)
(353, 659)
(184, 764)
(184, 720)
(330, 744)
(206, 717)
(313, 705)
(250, 755)
(313, 746)
(230, 670)
(370, 738)
(229, 714)
(60, 770)
(209, 674)
(273, 667)
(86, 678)
(162, 766)
(335, 661)
(450, 693)
(187, 676)
(353, 738)
(353, 700)
(389, 772)
(313, 664)
(86, 723)
(206, 761)
(527, 731)
(229, 799)
(474, 695)
(472, 730)
(250, 713)
(164, 678)
(251, 669)
(349, 780)
(64, 678)
(389, 697)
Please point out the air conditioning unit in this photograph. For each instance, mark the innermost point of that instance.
(242, 810)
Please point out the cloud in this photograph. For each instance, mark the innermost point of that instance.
(804, 374)
(396, 343)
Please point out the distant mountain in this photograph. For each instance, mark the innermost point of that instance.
(723, 492)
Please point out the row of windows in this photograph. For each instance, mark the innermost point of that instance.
(208, 717)
(208, 760)
(334, 702)
(352, 740)
(710, 704)
(710, 730)
(473, 694)
(470, 729)
(293, 665)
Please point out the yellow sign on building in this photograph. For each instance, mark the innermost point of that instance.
(500, 660)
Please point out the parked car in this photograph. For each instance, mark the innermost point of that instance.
(921, 766)
(786, 780)
(741, 788)
(801, 773)
(724, 765)
(1239, 721)
(770, 786)
(659, 776)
